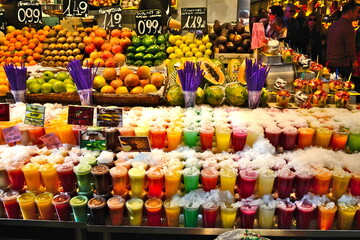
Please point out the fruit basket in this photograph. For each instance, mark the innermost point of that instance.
(126, 99)
(64, 98)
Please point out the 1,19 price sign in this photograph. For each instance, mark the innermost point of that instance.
(76, 8)
(193, 18)
(110, 18)
(29, 12)
(2, 20)
(148, 22)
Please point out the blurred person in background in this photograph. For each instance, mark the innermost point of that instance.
(278, 30)
(310, 37)
(274, 12)
(292, 25)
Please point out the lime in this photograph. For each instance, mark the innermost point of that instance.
(34, 87)
(59, 86)
(46, 87)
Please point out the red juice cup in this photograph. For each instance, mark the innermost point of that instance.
(285, 183)
(239, 139)
(209, 178)
(67, 176)
(273, 135)
(97, 206)
(285, 214)
(153, 209)
(4, 179)
(247, 216)
(62, 206)
(158, 137)
(35, 133)
(11, 206)
(326, 215)
(155, 179)
(289, 138)
(206, 137)
(116, 209)
(321, 182)
(302, 184)
(339, 139)
(304, 214)
(305, 137)
(355, 185)
(119, 176)
(16, 176)
(210, 212)
(247, 182)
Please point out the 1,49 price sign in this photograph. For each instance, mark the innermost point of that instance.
(193, 18)
(148, 22)
(29, 12)
(2, 20)
(110, 18)
(76, 8)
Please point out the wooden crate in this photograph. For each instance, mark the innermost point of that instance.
(63, 98)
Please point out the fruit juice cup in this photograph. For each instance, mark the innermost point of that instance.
(174, 135)
(227, 180)
(305, 137)
(321, 183)
(339, 184)
(323, 137)
(155, 179)
(339, 139)
(285, 215)
(79, 208)
(97, 206)
(304, 214)
(345, 217)
(354, 140)
(119, 178)
(172, 213)
(285, 184)
(76, 130)
(137, 181)
(24, 131)
(266, 217)
(228, 216)
(355, 185)
(2, 210)
(206, 137)
(191, 137)
(112, 138)
(11, 206)
(172, 183)
(266, 181)
(26, 202)
(326, 216)
(247, 182)
(102, 180)
(4, 178)
(158, 137)
(127, 131)
(209, 215)
(116, 210)
(35, 133)
(247, 216)
(290, 135)
(153, 208)
(238, 139)
(191, 216)
(209, 179)
(83, 177)
(142, 131)
(45, 206)
(32, 177)
(357, 218)
(62, 206)
(252, 135)
(49, 177)
(302, 184)
(16, 176)
(134, 208)
(51, 128)
(67, 176)
(223, 137)
(191, 182)
(273, 135)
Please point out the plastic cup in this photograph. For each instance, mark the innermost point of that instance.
(339, 139)
(284, 184)
(345, 217)
(266, 217)
(82, 172)
(79, 207)
(173, 138)
(11, 206)
(62, 206)
(19, 95)
(266, 183)
(302, 185)
(304, 215)
(2, 210)
(189, 97)
(67, 177)
(228, 216)
(355, 185)
(16, 176)
(137, 181)
(326, 217)
(32, 177)
(76, 130)
(172, 214)
(134, 208)
(252, 135)
(354, 141)
(97, 206)
(289, 138)
(155, 182)
(4, 179)
(66, 134)
(191, 216)
(339, 184)
(209, 178)
(45, 206)
(102, 179)
(191, 138)
(158, 137)
(127, 131)
(35, 133)
(209, 216)
(254, 99)
(116, 209)
(191, 182)
(223, 137)
(112, 138)
(247, 183)
(227, 181)
(305, 137)
(119, 178)
(50, 177)
(273, 135)
(153, 208)
(172, 183)
(357, 218)
(285, 215)
(323, 136)
(206, 138)
(238, 139)
(321, 183)
(26, 202)
(85, 97)
(247, 216)
(24, 131)
(142, 131)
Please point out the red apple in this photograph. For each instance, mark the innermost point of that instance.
(90, 48)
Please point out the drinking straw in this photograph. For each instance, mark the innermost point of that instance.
(337, 73)
(255, 75)
(190, 76)
(349, 77)
(16, 76)
(83, 77)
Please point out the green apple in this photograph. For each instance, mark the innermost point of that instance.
(70, 88)
(68, 81)
(46, 88)
(47, 75)
(61, 76)
(52, 81)
(59, 86)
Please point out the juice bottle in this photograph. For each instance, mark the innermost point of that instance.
(228, 216)
(289, 138)
(137, 181)
(321, 182)
(302, 184)
(153, 208)
(174, 135)
(228, 179)
(190, 216)
(285, 180)
(83, 177)
(16, 176)
(285, 214)
(32, 177)
(62, 207)
(355, 184)
(305, 137)
(273, 135)
(44, 204)
(172, 213)
(49, 177)
(209, 178)
(346, 215)
(239, 139)
(340, 183)
(339, 139)
(102, 179)
(134, 208)
(119, 177)
(247, 182)
(11, 206)
(97, 206)
(79, 207)
(323, 136)
(26, 202)
(155, 179)
(247, 216)
(67, 176)
(266, 181)
(326, 215)
(210, 212)
(223, 136)
(206, 137)
(172, 182)
(116, 209)
(304, 214)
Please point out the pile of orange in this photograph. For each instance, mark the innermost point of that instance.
(4, 84)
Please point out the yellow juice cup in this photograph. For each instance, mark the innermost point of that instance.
(228, 216)
(227, 179)
(32, 177)
(173, 138)
(50, 177)
(265, 182)
(323, 137)
(44, 204)
(253, 134)
(266, 217)
(137, 181)
(66, 134)
(172, 214)
(340, 182)
(27, 205)
(172, 183)
(134, 208)
(142, 131)
(223, 136)
(346, 214)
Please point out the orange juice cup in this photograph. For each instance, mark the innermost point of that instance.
(339, 139)
(326, 216)
(116, 209)
(127, 131)
(173, 138)
(50, 128)
(50, 177)
(321, 182)
(323, 137)
(66, 134)
(45, 206)
(172, 213)
(172, 183)
(305, 137)
(118, 176)
(32, 177)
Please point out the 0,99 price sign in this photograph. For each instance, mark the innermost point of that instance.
(29, 12)
(193, 18)
(110, 18)
(76, 8)
(2, 20)
(148, 22)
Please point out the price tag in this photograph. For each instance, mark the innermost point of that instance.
(110, 17)
(51, 141)
(76, 8)
(29, 12)
(135, 144)
(193, 18)
(93, 140)
(11, 134)
(81, 115)
(34, 115)
(148, 22)
(4, 112)
(2, 20)
(109, 117)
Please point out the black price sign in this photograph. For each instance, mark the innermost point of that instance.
(76, 8)
(109, 117)
(2, 20)
(148, 22)
(29, 12)
(110, 18)
(135, 144)
(193, 18)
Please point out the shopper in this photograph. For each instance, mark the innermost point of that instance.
(278, 30)
(292, 25)
(334, 11)
(341, 51)
(274, 12)
(310, 37)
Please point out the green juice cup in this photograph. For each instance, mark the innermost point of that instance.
(83, 177)
(191, 179)
(191, 216)
(191, 138)
(354, 139)
(79, 207)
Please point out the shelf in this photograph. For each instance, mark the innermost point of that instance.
(42, 223)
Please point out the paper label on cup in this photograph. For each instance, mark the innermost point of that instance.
(78, 115)
(11, 134)
(135, 144)
(4, 112)
(51, 140)
(34, 115)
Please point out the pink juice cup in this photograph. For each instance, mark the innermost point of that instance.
(273, 135)
(239, 139)
(304, 214)
(302, 184)
(247, 216)
(285, 214)
(247, 182)
(285, 184)
(355, 185)
(289, 138)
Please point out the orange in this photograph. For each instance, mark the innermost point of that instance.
(20, 53)
(19, 37)
(36, 56)
(32, 63)
(42, 38)
(4, 81)
(4, 89)
(35, 41)
(11, 48)
(29, 59)
(31, 45)
(2, 40)
(35, 36)
(40, 32)
(7, 54)
(6, 43)
(18, 45)
(38, 50)
(16, 59)
(13, 40)
(47, 28)
(9, 36)
(29, 52)
(28, 35)
(24, 48)
(46, 32)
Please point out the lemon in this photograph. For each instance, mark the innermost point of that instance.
(208, 45)
(206, 56)
(198, 54)
(208, 52)
(122, 90)
(202, 48)
(150, 88)
(178, 42)
(199, 43)
(194, 50)
(189, 41)
(172, 39)
(206, 39)
(186, 49)
(182, 46)
(172, 56)
(179, 54)
(178, 37)
(192, 45)
(34, 87)
(188, 54)
(170, 50)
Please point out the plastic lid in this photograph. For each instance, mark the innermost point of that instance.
(26, 197)
(44, 197)
(137, 172)
(61, 198)
(153, 203)
(82, 168)
(100, 170)
(65, 167)
(116, 202)
(11, 195)
(209, 172)
(96, 202)
(78, 201)
(47, 167)
(118, 171)
(135, 203)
